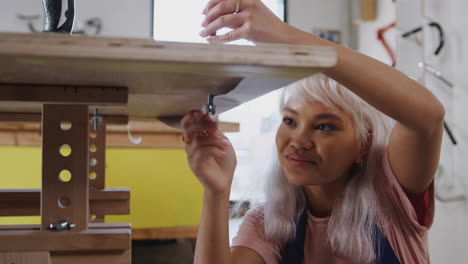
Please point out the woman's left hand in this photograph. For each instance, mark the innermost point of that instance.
(254, 22)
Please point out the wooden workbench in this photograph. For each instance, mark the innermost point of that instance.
(64, 78)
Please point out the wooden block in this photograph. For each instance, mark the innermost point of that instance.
(87, 240)
(25, 258)
(26, 202)
(368, 10)
(110, 257)
(189, 232)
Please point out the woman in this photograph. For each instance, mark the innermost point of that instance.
(347, 189)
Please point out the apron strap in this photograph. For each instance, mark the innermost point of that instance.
(386, 255)
(294, 250)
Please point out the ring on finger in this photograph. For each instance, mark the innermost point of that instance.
(237, 10)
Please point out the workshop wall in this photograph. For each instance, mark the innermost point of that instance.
(121, 18)
(449, 236)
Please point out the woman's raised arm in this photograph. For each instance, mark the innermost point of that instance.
(415, 142)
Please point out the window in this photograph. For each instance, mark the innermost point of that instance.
(256, 118)
(180, 20)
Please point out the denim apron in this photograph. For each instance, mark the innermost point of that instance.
(295, 247)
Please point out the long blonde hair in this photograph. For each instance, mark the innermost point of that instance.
(350, 229)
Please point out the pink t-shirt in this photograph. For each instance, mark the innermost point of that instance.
(406, 229)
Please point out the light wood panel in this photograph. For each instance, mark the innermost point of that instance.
(163, 78)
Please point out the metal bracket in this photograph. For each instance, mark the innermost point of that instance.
(210, 107)
(61, 226)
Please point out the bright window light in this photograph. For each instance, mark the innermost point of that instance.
(181, 20)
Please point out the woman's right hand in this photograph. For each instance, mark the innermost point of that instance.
(254, 22)
(209, 153)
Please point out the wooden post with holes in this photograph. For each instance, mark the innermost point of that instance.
(69, 154)
(97, 160)
(65, 191)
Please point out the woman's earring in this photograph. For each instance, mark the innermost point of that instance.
(360, 163)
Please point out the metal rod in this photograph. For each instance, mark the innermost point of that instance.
(450, 134)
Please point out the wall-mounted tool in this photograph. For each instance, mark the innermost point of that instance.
(380, 37)
(91, 26)
(435, 72)
(53, 13)
(433, 25)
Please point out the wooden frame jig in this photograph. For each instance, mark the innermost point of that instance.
(70, 151)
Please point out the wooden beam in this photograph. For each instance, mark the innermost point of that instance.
(90, 226)
(25, 258)
(86, 240)
(26, 202)
(159, 127)
(117, 124)
(61, 94)
(189, 232)
(13, 118)
(154, 134)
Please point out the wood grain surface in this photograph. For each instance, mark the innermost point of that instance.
(163, 78)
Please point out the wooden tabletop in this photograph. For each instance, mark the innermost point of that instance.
(163, 78)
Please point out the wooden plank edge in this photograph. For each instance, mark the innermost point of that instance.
(189, 232)
(87, 240)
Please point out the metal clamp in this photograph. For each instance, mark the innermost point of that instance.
(53, 13)
(61, 226)
(210, 107)
(96, 119)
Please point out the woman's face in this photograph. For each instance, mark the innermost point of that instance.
(316, 144)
